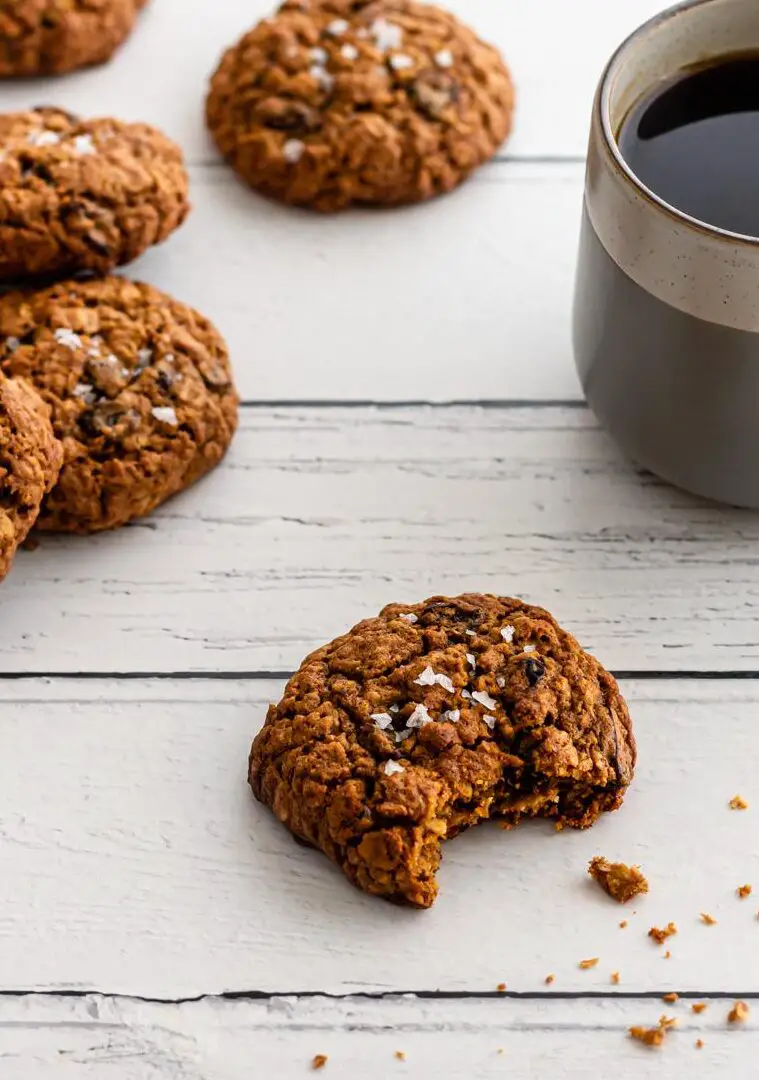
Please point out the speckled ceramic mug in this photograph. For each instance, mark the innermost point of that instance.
(666, 319)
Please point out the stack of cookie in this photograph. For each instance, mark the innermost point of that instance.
(113, 396)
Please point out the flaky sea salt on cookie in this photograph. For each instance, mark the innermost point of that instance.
(359, 101)
(428, 719)
(140, 389)
(84, 195)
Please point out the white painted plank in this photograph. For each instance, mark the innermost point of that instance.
(436, 302)
(557, 51)
(320, 516)
(134, 860)
(222, 1040)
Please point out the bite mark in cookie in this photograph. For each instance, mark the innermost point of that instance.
(387, 741)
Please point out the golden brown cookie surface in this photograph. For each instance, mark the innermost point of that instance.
(359, 101)
(430, 718)
(50, 37)
(84, 195)
(140, 390)
(30, 459)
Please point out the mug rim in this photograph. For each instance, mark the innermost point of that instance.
(612, 145)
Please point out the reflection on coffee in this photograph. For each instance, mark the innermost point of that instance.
(694, 142)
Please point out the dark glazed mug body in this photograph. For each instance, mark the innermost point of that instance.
(666, 317)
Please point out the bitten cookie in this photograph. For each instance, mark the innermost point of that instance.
(140, 390)
(84, 194)
(359, 101)
(428, 719)
(49, 37)
(30, 459)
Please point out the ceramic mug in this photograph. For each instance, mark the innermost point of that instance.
(666, 316)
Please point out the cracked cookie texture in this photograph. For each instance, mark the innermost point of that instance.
(30, 459)
(84, 195)
(341, 102)
(51, 37)
(430, 718)
(140, 389)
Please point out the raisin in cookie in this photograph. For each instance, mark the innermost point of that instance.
(140, 390)
(84, 195)
(30, 459)
(359, 101)
(50, 37)
(427, 720)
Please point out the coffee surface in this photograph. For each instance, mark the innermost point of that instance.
(694, 142)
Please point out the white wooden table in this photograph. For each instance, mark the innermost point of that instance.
(412, 424)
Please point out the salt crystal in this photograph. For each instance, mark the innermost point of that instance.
(501, 681)
(349, 52)
(165, 414)
(68, 338)
(471, 660)
(453, 715)
(338, 27)
(395, 708)
(322, 76)
(85, 392)
(293, 151)
(529, 648)
(386, 35)
(444, 58)
(470, 633)
(432, 678)
(83, 144)
(410, 617)
(392, 768)
(507, 633)
(483, 698)
(12, 343)
(43, 138)
(419, 717)
(382, 720)
(401, 62)
(319, 55)
(144, 358)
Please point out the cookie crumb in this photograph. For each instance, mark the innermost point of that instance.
(738, 803)
(661, 935)
(667, 955)
(319, 1061)
(739, 1013)
(623, 924)
(620, 881)
(699, 1044)
(667, 1022)
(501, 988)
(615, 978)
(649, 1036)
(550, 979)
(743, 891)
(586, 965)
(707, 919)
(401, 1055)
(698, 1007)
(671, 998)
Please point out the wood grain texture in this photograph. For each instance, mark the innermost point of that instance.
(133, 860)
(93, 1037)
(347, 308)
(321, 516)
(557, 51)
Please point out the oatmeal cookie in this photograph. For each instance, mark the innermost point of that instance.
(50, 37)
(428, 719)
(359, 101)
(84, 194)
(30, 459)
(140, 390)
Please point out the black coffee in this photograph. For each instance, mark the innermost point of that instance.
(695, 143)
